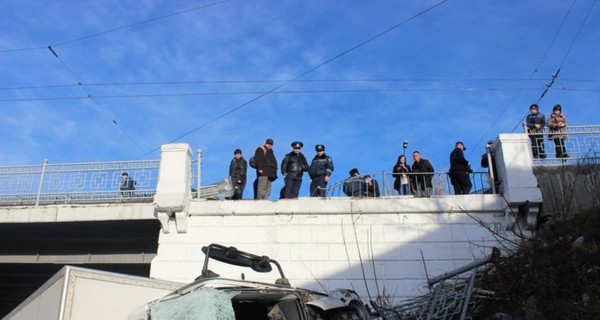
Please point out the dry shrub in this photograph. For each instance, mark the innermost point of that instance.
(555, 275)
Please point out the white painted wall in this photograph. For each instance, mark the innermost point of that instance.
(317, 244)
(394, 243)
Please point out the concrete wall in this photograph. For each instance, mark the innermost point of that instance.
(390, 245)
(321, 243)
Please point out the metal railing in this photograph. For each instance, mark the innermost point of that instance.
(440, 184)
(76, 183)
(453, 295)
(582, 144)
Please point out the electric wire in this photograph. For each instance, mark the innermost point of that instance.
(162, 83)
(119, 28)
(303, 74)
(315, 91)
(555, 75)
(89, 95)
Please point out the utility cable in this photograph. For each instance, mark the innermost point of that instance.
(535, 70)
(303, 74)
(315, 91)
(89, 95)
(163, 83)
(555, 75)
(120, 28)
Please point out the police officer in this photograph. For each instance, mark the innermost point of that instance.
(319, 171)
(293, 167)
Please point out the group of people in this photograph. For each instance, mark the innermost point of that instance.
(415, 179)
(293, 167)
(557, 124)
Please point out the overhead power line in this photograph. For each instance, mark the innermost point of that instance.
(192, 82)
(118, 28)
(315, 91)
(304, 73)
(89, 95)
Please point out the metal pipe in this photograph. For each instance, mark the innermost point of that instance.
(465, 268)
(41, 184)
(199, 172)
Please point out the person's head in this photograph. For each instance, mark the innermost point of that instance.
(354, 172)
(403, 159)
(124, 175)
(416, 156)
(534, 108)
(490, 143)
(237, 153)
(367, 178)
(297, 145)
(320, 149)
(557, 109)
(269, 143)
(460, 145)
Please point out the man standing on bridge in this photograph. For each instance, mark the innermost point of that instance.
(126, 184)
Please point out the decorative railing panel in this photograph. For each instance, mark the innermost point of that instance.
(582, 145)
(93, 182)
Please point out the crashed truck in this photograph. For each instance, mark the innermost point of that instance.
(211, 297)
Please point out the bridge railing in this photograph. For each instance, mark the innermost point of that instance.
(582, 145)
(76, 183)
(440, 184)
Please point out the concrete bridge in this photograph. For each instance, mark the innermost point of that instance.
(389, 245)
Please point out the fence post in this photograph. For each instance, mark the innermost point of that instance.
(42, 174)
(383, 184)
(199, 172)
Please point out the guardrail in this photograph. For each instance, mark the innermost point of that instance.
(440, 184)
(582, 145)
(76, 183)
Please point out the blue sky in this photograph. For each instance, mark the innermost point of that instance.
(359, 77)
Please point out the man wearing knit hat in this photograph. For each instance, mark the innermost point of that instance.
(237, 172)
(535, 123)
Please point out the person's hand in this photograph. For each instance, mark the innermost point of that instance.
(537, 126)
(260, 172)
(326, 179)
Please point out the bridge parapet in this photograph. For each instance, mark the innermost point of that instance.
(76, 183)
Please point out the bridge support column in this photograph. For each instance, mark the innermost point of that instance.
(518, 183)
(173, 191)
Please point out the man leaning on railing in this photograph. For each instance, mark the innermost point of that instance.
(126, 185)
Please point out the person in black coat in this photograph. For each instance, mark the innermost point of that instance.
(266, 169)
(401, 178)
(319, 171)
(237, 172)
(355, 186)
(459, 170)
(372, 187)
(293, 167)
(488, 160)
(422, 175)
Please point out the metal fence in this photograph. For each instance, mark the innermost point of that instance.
(92, 182)
(582, 145)
(453, 295)
(440, 184)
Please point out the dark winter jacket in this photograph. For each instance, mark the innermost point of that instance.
(532, 120)
(265, 161)
(458, 163)
(355, 187)
(294, 164)
(398, 173)
(237, 171)
(423, 166)
(320, 166)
